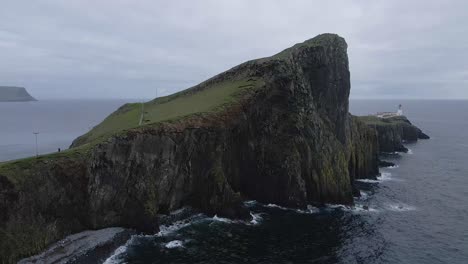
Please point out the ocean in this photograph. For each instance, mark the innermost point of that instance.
(416, 212)
(58, 123)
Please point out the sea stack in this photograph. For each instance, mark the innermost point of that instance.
(15, 94)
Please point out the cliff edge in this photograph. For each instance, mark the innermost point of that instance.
(394, 132)
(14, 94)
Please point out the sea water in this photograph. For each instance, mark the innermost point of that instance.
(58, 123)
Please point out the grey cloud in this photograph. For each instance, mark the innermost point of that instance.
(128, 49)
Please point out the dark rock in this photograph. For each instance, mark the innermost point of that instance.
(85, 247)
(383, 163)
(421, 135)
(393, 132)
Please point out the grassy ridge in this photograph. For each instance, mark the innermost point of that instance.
(209, 99)
(16, 169)
(374, 120)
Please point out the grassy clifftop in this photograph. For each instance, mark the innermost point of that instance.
(374, 120)
(204, 99)
(209, 96)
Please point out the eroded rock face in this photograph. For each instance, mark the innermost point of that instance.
(393, 132)
(291, 143)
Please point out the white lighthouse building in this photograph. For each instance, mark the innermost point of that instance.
(400, 110)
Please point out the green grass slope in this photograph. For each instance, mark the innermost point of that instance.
(374, 120)
(207, 99)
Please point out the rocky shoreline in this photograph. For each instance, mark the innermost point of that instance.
(287, 139)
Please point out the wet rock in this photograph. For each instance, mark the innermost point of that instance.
(85, 247)
(386, 164)
(393, 132)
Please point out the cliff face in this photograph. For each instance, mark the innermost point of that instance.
(41, 201)
(290, 142)
(393, 132)
(287, 138)
(14, 94)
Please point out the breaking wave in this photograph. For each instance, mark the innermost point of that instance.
(174, 244)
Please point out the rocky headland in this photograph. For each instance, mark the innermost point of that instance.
(14, 94)
(393, 132)
(276, 130)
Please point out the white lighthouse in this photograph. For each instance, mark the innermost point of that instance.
(400, 110)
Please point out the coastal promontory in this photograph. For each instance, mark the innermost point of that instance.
(14, 94)
(275, 130)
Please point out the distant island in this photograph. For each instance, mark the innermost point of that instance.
(15, 94)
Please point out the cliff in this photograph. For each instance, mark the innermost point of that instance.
(393, 132)
(276, 130)
(14, 94)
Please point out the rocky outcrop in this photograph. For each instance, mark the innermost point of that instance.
(393, 132)
(289, 141)
(84, 247)
(14, 94)
(45, 199)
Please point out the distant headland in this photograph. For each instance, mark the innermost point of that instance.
(14, 94)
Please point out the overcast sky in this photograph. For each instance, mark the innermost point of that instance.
(128, 49)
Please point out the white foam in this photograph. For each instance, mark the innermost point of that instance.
(277, 206)
(174, 244)
(176, 226)
(336, 206)
(222, 219)
(256, 218)
(400, 207)
(309, 210)
(385, 176)
(410, 152)
(250, 203)
(368, 180)
(178, 211)
(393, 167)
(364, 195)
(119, 253)
(359, 208)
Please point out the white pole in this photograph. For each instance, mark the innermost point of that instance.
(37, 149)
(142, 113)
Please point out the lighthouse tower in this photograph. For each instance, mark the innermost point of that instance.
(400, 110)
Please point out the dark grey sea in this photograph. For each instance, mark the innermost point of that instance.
(57, 121)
